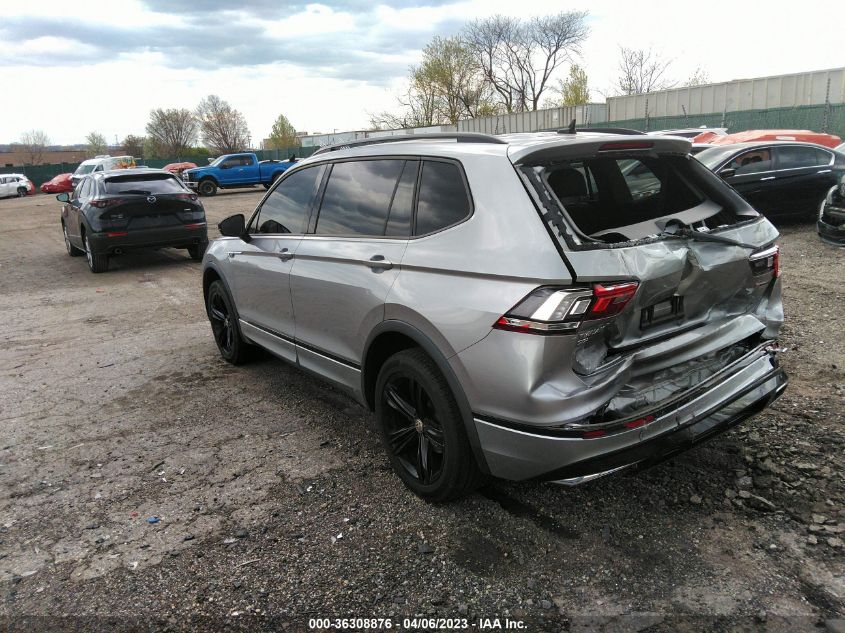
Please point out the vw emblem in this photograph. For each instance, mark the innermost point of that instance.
(151, 199)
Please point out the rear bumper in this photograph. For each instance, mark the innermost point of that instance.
(519, 453)
(175, 237)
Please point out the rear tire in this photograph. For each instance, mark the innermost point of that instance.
(22, 192)
(196, 251)
(224, 325)
(207, 187)
(97, 262)
(422, 429)
(71, 249)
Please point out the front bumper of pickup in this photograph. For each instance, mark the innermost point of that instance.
(518, 452)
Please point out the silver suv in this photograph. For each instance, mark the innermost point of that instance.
(553, 306)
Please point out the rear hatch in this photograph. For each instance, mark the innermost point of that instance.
(639, 210)
(137, 202)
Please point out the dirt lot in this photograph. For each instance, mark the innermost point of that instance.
(274, 503)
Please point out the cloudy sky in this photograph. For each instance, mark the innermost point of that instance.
(70, 68)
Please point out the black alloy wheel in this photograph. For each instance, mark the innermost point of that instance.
(413, 431)
(422, 428)
(224, 325)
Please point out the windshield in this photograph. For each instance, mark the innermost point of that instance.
(84, 169)
(713, 156)
(216, 161)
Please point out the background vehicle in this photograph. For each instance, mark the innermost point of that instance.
(101, 163)
(550, 306)
(234, 170)
(831, 222)
(750, 136)
(111, 212)
(693, 132)
(15, 185)
(777, 178)
(58, 184)
(178, 168)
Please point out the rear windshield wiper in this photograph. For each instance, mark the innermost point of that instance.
(675, 229)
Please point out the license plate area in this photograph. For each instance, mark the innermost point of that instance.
(671, 309)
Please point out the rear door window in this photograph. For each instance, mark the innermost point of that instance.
(358, 197)
(797, 157)
(752, 162)
(287, 208)
(443, 197)
(402, 207)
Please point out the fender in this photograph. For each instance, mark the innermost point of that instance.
(401, 327)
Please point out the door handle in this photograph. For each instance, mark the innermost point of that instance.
(824, 171)
(767, 178)
(233, 254)
(378, 262)
(285, 256)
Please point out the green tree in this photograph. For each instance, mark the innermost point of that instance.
(97, 143)
(283, 134)
(574, 89)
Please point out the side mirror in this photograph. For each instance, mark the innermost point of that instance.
(63, 197)
(233, 226)
(727, 173)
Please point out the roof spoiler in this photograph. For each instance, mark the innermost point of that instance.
(605, 130)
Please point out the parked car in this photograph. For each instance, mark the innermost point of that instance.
(178, 168)
(750, 136)
(831, 222)
(508, 306)
(111, 212)
(234, 170)
(58, 184)
(15, 185)
(103, 162)
(693, 132)
(778, 178)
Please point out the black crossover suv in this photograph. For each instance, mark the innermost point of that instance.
(111, 212)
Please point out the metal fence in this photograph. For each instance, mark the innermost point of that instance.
(828, 118)
(39, 174)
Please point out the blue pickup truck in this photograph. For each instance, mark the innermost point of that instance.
(234, 170)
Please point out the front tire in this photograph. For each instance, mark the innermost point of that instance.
(422, 429)
(97, 262)
(22, 192)
(207, 187)
(224, 325)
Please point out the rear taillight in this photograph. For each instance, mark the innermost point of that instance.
(767, 261)
(187, 196)
(106, 202)
(550, 310)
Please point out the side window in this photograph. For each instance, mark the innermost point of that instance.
(86, 189)
(797, 156)
(357, 198)
(752, 162)
(246, 161)
(443, 198)
(287, 208)
(402, 207)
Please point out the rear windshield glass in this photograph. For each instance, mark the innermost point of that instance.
(154, 183)
(619, 199)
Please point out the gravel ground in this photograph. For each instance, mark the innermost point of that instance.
(147, 485)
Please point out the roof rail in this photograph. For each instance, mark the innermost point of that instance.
(604, 130)
(460, 137)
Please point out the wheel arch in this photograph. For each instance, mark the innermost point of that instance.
(392, 336)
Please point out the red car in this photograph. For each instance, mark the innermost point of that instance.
(58, 184)
(178, 168)
(805, 136)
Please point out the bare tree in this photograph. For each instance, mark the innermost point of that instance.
(699, 77)
(134, 145)
(224, 129)
(642, 71)
(172, 131)
(517, 58)
(33, 143)
(97, 143)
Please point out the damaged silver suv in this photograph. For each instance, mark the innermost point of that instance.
(552, 306)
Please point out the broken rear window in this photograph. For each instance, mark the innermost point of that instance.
(622, 199)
